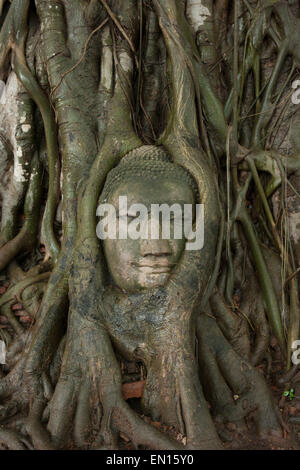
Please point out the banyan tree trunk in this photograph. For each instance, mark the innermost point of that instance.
(83, 84)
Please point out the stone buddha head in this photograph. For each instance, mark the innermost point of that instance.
(143, 194)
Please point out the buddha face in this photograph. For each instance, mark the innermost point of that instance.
(143, 263)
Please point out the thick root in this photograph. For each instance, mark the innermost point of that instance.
(244, 388)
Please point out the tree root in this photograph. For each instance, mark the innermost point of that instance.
(230, 375)
(26, 239)
(15, 292)
(234, 328)
(12, 440)
(13, 381)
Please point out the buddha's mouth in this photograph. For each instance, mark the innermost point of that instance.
(163, 267)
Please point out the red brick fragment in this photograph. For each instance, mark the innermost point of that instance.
(17, 307)
(133, 389)
(26, 319)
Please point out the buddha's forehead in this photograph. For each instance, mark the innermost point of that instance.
(152, 190)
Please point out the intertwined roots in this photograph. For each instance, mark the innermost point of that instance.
(86, 83)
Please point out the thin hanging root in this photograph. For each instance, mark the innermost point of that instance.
(13, 37)
(122, 31)
(43, 104)
(101, 25)
(152, 97)
(240, 213)
(6, 36)
(265, 280)
(26, 239)
(251, 305)
(293, 332)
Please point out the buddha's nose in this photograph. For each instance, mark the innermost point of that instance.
(154, 244)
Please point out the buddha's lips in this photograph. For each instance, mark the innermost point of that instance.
(154, 268)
